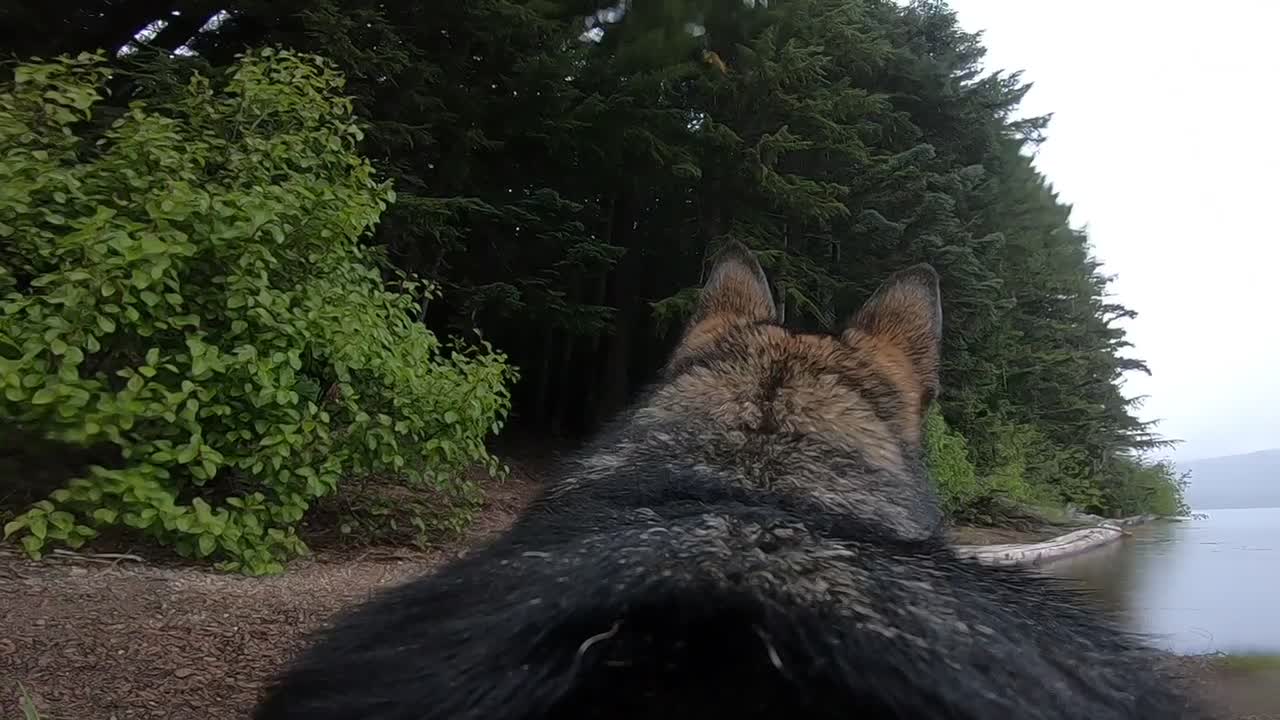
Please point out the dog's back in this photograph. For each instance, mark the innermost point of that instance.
(756, 538)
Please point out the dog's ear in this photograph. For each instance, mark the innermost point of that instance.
(736, 289)
(904, 320)
(736, 292)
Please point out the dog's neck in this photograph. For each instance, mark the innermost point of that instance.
(897, 497)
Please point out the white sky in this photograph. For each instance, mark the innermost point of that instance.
(1164, 141)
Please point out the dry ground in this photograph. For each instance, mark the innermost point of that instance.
(116, 640)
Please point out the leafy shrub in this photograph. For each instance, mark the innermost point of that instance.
(188, 284)
(947, 455)
(1139, 486)
(1024, 469)
(1028, 468)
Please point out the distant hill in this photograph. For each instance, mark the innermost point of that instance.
(1235, 481)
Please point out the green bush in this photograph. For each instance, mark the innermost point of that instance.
(1029, 469)
(188, 285)
(1137, 486)
(1024, 469)
(947, 455)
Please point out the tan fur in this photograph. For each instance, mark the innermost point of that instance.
(736, 290)
(896, 336)
(902, 322)
(818, 403)
(834, 418)
(888, 358)
(703, 334)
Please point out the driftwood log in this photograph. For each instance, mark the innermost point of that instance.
(1063, 546)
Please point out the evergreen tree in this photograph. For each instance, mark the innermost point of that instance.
(565, 167)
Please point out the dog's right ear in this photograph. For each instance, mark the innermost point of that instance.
(904, 320)
(735, 292)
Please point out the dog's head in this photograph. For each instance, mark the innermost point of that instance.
(837, 415)
(873, 379)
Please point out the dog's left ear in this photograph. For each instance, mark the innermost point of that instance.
(904, 316)
(736, 289)
(735, 293)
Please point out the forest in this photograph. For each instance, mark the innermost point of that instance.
(522, 197)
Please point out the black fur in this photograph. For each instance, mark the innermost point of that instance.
(648, 594)
(757, 538)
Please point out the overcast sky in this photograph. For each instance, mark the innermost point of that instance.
(1164, 141)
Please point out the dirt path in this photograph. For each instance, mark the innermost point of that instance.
(92, 640)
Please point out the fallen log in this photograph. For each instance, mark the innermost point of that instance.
(1024, 554)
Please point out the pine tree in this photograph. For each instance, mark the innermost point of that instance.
(565, 167)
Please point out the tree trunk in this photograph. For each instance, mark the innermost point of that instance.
(591, 395)
(616, 387)
(711, 222)
(615, 383)
(567, 389)
(542, 394)
(780, 288)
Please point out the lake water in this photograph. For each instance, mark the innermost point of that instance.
(1196, 586)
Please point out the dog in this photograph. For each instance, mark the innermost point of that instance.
(757, 537)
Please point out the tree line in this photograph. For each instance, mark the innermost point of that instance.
(564, 168)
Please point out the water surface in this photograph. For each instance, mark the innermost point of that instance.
(1209, 585)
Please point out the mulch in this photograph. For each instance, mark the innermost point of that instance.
(90, 638)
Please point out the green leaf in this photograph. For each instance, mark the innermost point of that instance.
(301, 287)
(38, 525)
(62, 520)
(32, 545)
(14, 526)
